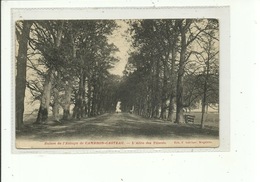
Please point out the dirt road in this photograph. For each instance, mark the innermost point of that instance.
(117, 126)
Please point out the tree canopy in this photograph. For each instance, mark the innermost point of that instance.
(173, 66)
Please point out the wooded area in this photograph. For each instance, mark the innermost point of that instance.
(173, 65)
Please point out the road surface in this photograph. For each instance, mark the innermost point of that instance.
(117, 126)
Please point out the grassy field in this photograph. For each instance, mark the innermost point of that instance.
(211, 119)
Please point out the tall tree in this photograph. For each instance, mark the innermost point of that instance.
(183, 28)
(208, 57)
(49, 35)
(189, 32)
(95, 59)
(22, 34)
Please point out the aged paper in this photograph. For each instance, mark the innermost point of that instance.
(116, 82)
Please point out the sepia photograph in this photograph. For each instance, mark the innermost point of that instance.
(116, 83)
(122, 91)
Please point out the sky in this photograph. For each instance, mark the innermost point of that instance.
(121, 39)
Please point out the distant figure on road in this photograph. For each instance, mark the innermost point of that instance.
(132, 110)
(118, 110)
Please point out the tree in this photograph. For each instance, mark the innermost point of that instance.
(163, 58)
(95, 58)
(22, 34)
(208, 42)
(183, 26)
(48, 32)
(150, 60)
(76, 57)
(190, 30)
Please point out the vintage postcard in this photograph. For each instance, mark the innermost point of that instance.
(117, 83)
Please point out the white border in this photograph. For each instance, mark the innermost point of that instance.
(239, 164)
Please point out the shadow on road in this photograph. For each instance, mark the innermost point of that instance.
(117, 126)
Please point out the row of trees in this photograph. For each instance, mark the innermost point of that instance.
(66, 62)
(174, 63)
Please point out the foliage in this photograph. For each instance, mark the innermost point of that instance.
(172, 60)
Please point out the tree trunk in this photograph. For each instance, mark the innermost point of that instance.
(45, 99)
(94, 102)
(56, 105)
(89, 98)
(164, 87)
(171, 108)
(172, 80)
(78, 105)
(46, 95)
(55, 112)
(202, 112)
(179, 101)
(66, 113)
(205, 89)
(157, 90)
(79, 109)
(68, 85)
(66, 106)
(203, 104)
(83, 92)
(164, 100)
(21, 72)
(67, 101)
